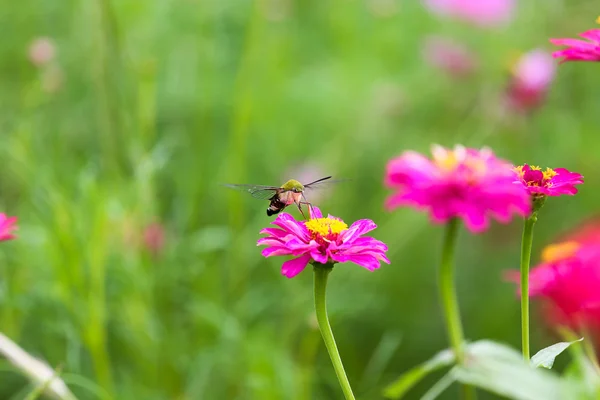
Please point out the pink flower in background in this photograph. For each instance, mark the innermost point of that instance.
(479, 12)
(579, 50)
(532, 76)
(154, 238)
(551, 182)
(42, 51)
(463, 183)
(322, 240)
(7, 226)
(567, 283)
(449, 56)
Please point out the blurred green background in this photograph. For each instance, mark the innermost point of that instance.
(148, 106)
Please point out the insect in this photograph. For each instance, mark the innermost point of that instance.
(291, 192)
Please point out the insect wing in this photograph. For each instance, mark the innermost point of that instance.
(323, 183)
(260, 192)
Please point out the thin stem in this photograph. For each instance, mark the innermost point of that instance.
(450, 301)
(321, 274)
(448, 291)
(526, 244)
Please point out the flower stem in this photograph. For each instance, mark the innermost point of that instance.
(526, 244)
(448, 291)
(449, 299)
(321, 273)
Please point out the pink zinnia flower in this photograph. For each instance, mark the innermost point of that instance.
(449, 56)
(567, 282)
(532, 77)
(322, 240)
(7, 225)
(479, 12)
(551, 182)
(463, 183)
(579, 50)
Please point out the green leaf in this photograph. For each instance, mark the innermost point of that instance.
(410, 378)
(439, 387)
(501, 370)
(545, 357)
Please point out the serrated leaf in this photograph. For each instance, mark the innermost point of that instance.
(501, 370)
(410, 378)
(546, 356)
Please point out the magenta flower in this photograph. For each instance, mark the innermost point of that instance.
(479, 12)
(579, 50)
(322, 240)
(463, 183)
(567, 282)
(449, 56)
(7, 225)
(532, 76)
(551, 182)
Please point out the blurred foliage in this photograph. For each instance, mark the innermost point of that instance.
(148, 106)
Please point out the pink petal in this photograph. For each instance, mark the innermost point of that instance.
(275, 251)
(592, 34)
(293, 267)
(289, 224)
(315, 212)
(318, 256)
(366, 261)
(475, 220)
(276, 232)
(357, 229)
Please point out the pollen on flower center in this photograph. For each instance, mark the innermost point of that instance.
(324, 227)
(549, 173)
(560, 251)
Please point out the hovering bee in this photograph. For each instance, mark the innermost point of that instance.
(291, 192)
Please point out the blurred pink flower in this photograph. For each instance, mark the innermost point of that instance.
(463, 183)
(532, 76)
(567, 282)
(154, 238)
(7, 226)
(42, 51)
(322, 240)
(551, 182)
(579, 50)
(449, 56)
(479, 12)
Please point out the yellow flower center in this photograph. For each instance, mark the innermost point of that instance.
(447, 159)
(598, 20)
(549, 173)
(325, 226)
(560, 251)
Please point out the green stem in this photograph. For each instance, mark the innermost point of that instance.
(448, 291)
(321, 274)
(450, 301)
(526, 244)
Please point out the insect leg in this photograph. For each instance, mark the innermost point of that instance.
(309, 206)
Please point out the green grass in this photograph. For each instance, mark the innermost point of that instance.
(164, 100)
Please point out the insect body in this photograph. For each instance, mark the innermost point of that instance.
(291, 192)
